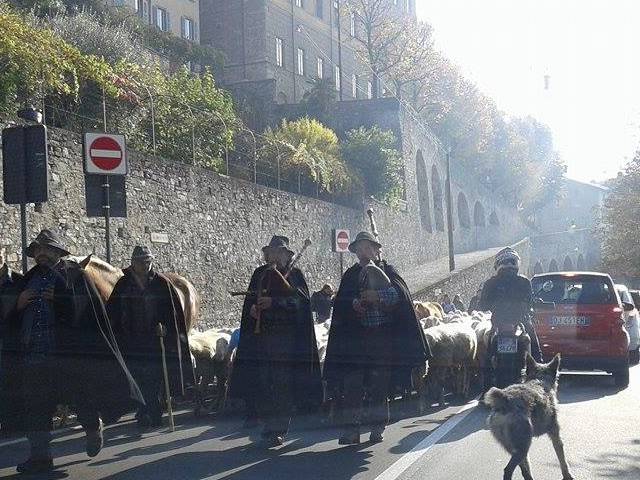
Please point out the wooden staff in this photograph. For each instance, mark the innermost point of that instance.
(161, 331)
(374, 229)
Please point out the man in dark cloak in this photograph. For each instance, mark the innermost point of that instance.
(374, 343)
(59, 349)
(141, 300)
(277, 366)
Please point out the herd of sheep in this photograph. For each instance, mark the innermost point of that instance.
(458, 342)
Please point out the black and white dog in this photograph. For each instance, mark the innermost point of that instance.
(526, 410)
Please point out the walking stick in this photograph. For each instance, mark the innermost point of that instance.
(161, 331)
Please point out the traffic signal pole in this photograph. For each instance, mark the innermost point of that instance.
(23, 231)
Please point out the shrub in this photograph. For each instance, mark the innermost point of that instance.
(309, 145)
(372, 153)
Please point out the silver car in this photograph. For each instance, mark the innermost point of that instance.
(631, 324)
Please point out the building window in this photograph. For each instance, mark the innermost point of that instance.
(337, 75)
(369, 90)
(162, 19)
(279, 52)
(319, 8)
(299, 3)
(320, 68)
(139, 7)
(300, 66)
(406, 5)
(187, 29)
(354, 86)
(352, 24)
(336, 13)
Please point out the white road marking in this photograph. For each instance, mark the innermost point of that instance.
(96, 152)
(409, 458)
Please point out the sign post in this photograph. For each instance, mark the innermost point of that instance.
(105, 155)
(341, 245)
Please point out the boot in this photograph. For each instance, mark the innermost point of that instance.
(376, 434)
(95, 440)
(351, 436)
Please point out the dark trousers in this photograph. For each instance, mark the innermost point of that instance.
(275, 404)
(151, 382)
(43, 387)
(371, 376)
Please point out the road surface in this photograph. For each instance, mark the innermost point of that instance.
(600, 427)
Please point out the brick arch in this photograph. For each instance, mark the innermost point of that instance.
(568, 264)
(553, 265)
(580, 265)
(423, 192)
(479, 217)
(494, 220)
(436, 189)
(463, 211)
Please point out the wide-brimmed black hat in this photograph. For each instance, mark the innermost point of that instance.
(141, 252)
(364, 236)
(279, 241)
(46, 238)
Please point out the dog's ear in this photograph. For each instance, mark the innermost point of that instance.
(554, 365)
(531, 363)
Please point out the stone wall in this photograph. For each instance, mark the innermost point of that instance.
(465, 282)
(215, 225)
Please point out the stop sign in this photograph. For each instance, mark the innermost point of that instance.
(342, 241)
(105, 154)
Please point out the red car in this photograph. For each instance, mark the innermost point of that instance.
(583, 322)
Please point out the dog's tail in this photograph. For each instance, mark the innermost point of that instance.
(496, 399)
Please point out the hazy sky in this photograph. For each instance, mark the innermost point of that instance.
(590, 49)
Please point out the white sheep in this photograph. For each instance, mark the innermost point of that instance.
(454, 350)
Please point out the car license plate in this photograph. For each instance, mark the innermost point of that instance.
(507, 345)
(570, 321)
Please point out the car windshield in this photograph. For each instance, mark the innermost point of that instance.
(575, 290)
(636, 298)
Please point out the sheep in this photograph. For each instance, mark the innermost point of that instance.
(210, 350)
(430, 322)
(454, 350)
(428, 309)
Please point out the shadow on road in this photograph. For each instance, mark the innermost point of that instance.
(576, 388)
(622, 463)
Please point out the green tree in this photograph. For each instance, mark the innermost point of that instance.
(620, 222)
(372, 153)
(308, 145)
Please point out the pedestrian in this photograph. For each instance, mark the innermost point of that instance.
(277, 366)
(142, 299)
(322, 303)
(374, 343)
(474, 303)
(58, 349)
(9, 281)
(447, 304)
(457, 303)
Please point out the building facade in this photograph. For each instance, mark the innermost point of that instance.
(292, 42)
(180, 17)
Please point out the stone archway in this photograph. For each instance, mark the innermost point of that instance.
(580, 263)
(423, 192)
(463, 211)
(568, 264)
(494, 220)
(478, 215)
(436, 189)
(553, 266)
(538, 268)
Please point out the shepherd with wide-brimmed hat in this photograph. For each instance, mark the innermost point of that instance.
(277, 365)
(141, 300)
(57, 350)
(375, 340)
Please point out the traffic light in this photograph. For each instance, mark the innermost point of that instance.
(24, 164)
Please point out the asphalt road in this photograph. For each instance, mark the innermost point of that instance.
(600, 427)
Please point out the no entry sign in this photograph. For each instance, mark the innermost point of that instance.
(105, 154)
(341, 241)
